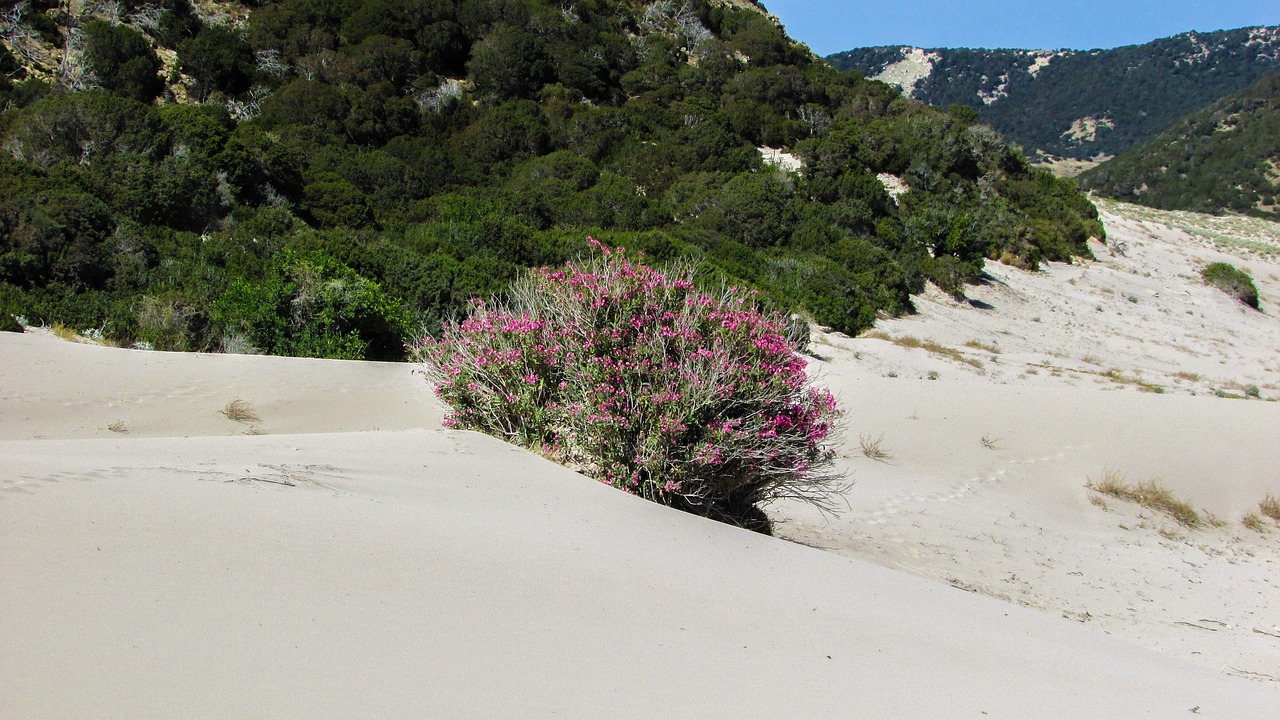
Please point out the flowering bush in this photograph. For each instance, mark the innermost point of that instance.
(638, 379)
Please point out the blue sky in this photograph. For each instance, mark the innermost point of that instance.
(829, 26)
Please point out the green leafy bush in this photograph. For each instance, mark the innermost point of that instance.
(314, 306)
(693, 400)
(1232, 281)
(8, 323)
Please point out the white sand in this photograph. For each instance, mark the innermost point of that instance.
(354, 560)
(1014, 520)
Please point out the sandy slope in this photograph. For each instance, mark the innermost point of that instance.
(1065, 356)
(354, 560)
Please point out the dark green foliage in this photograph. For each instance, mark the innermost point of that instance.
(332, 201)
(122, 60)
(8, 323)
(177, 23)
(217, 59)
(1232, 281)
(79, 128)
(509, 63)
(314, 306)
(357, 159)
(1139, 90)
(1223, 158)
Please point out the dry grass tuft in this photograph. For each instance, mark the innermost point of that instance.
(979, 345)
(64, 332)
(990, 443)
(240, 411)
(117, 426)
(1270, 507)
(871, 448)
(1255, 523)
(1150, 494)
(909, 341)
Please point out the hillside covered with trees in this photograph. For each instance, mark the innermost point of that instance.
(321, 177)
(1085, 104)
(1224, 157)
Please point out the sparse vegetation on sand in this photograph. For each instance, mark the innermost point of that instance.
(240, 411)
(909, 341)
(1255, 523)
(635, 377)
(65, 333)
(1270, 506)
(872, 449)
(1232, 281)
(1150, 494)
(1118, 376)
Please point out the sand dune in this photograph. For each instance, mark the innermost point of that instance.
(1043, 381)
(342, 556)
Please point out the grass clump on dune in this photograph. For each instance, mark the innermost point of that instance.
(640, 380)
(1270, 507)
(909, 341)
(1150, 494)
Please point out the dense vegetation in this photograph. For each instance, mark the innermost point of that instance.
(1232, 281)
(325, 174)
(1132, 92)
(1225, 157)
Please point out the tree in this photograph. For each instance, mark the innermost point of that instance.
(122, 60)
(509, 63)
(217, 59)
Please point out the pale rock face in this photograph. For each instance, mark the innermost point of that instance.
(893, 185)
(916, 64)
(781, 159)
(1085, 129)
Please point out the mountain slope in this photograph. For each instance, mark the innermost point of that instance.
(320, 176)
(1079, 104)
(1224, 157)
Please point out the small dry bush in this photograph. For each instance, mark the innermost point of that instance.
(117, 426)
(1150, 494)
(871, 447)
(240, 411)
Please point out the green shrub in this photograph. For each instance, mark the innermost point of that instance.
(1233, 282)
(314, 306)
(8, 323)
(629, 373)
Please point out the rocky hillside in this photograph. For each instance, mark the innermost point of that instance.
(1080, 105)
(1224, 157)
(322, 177)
